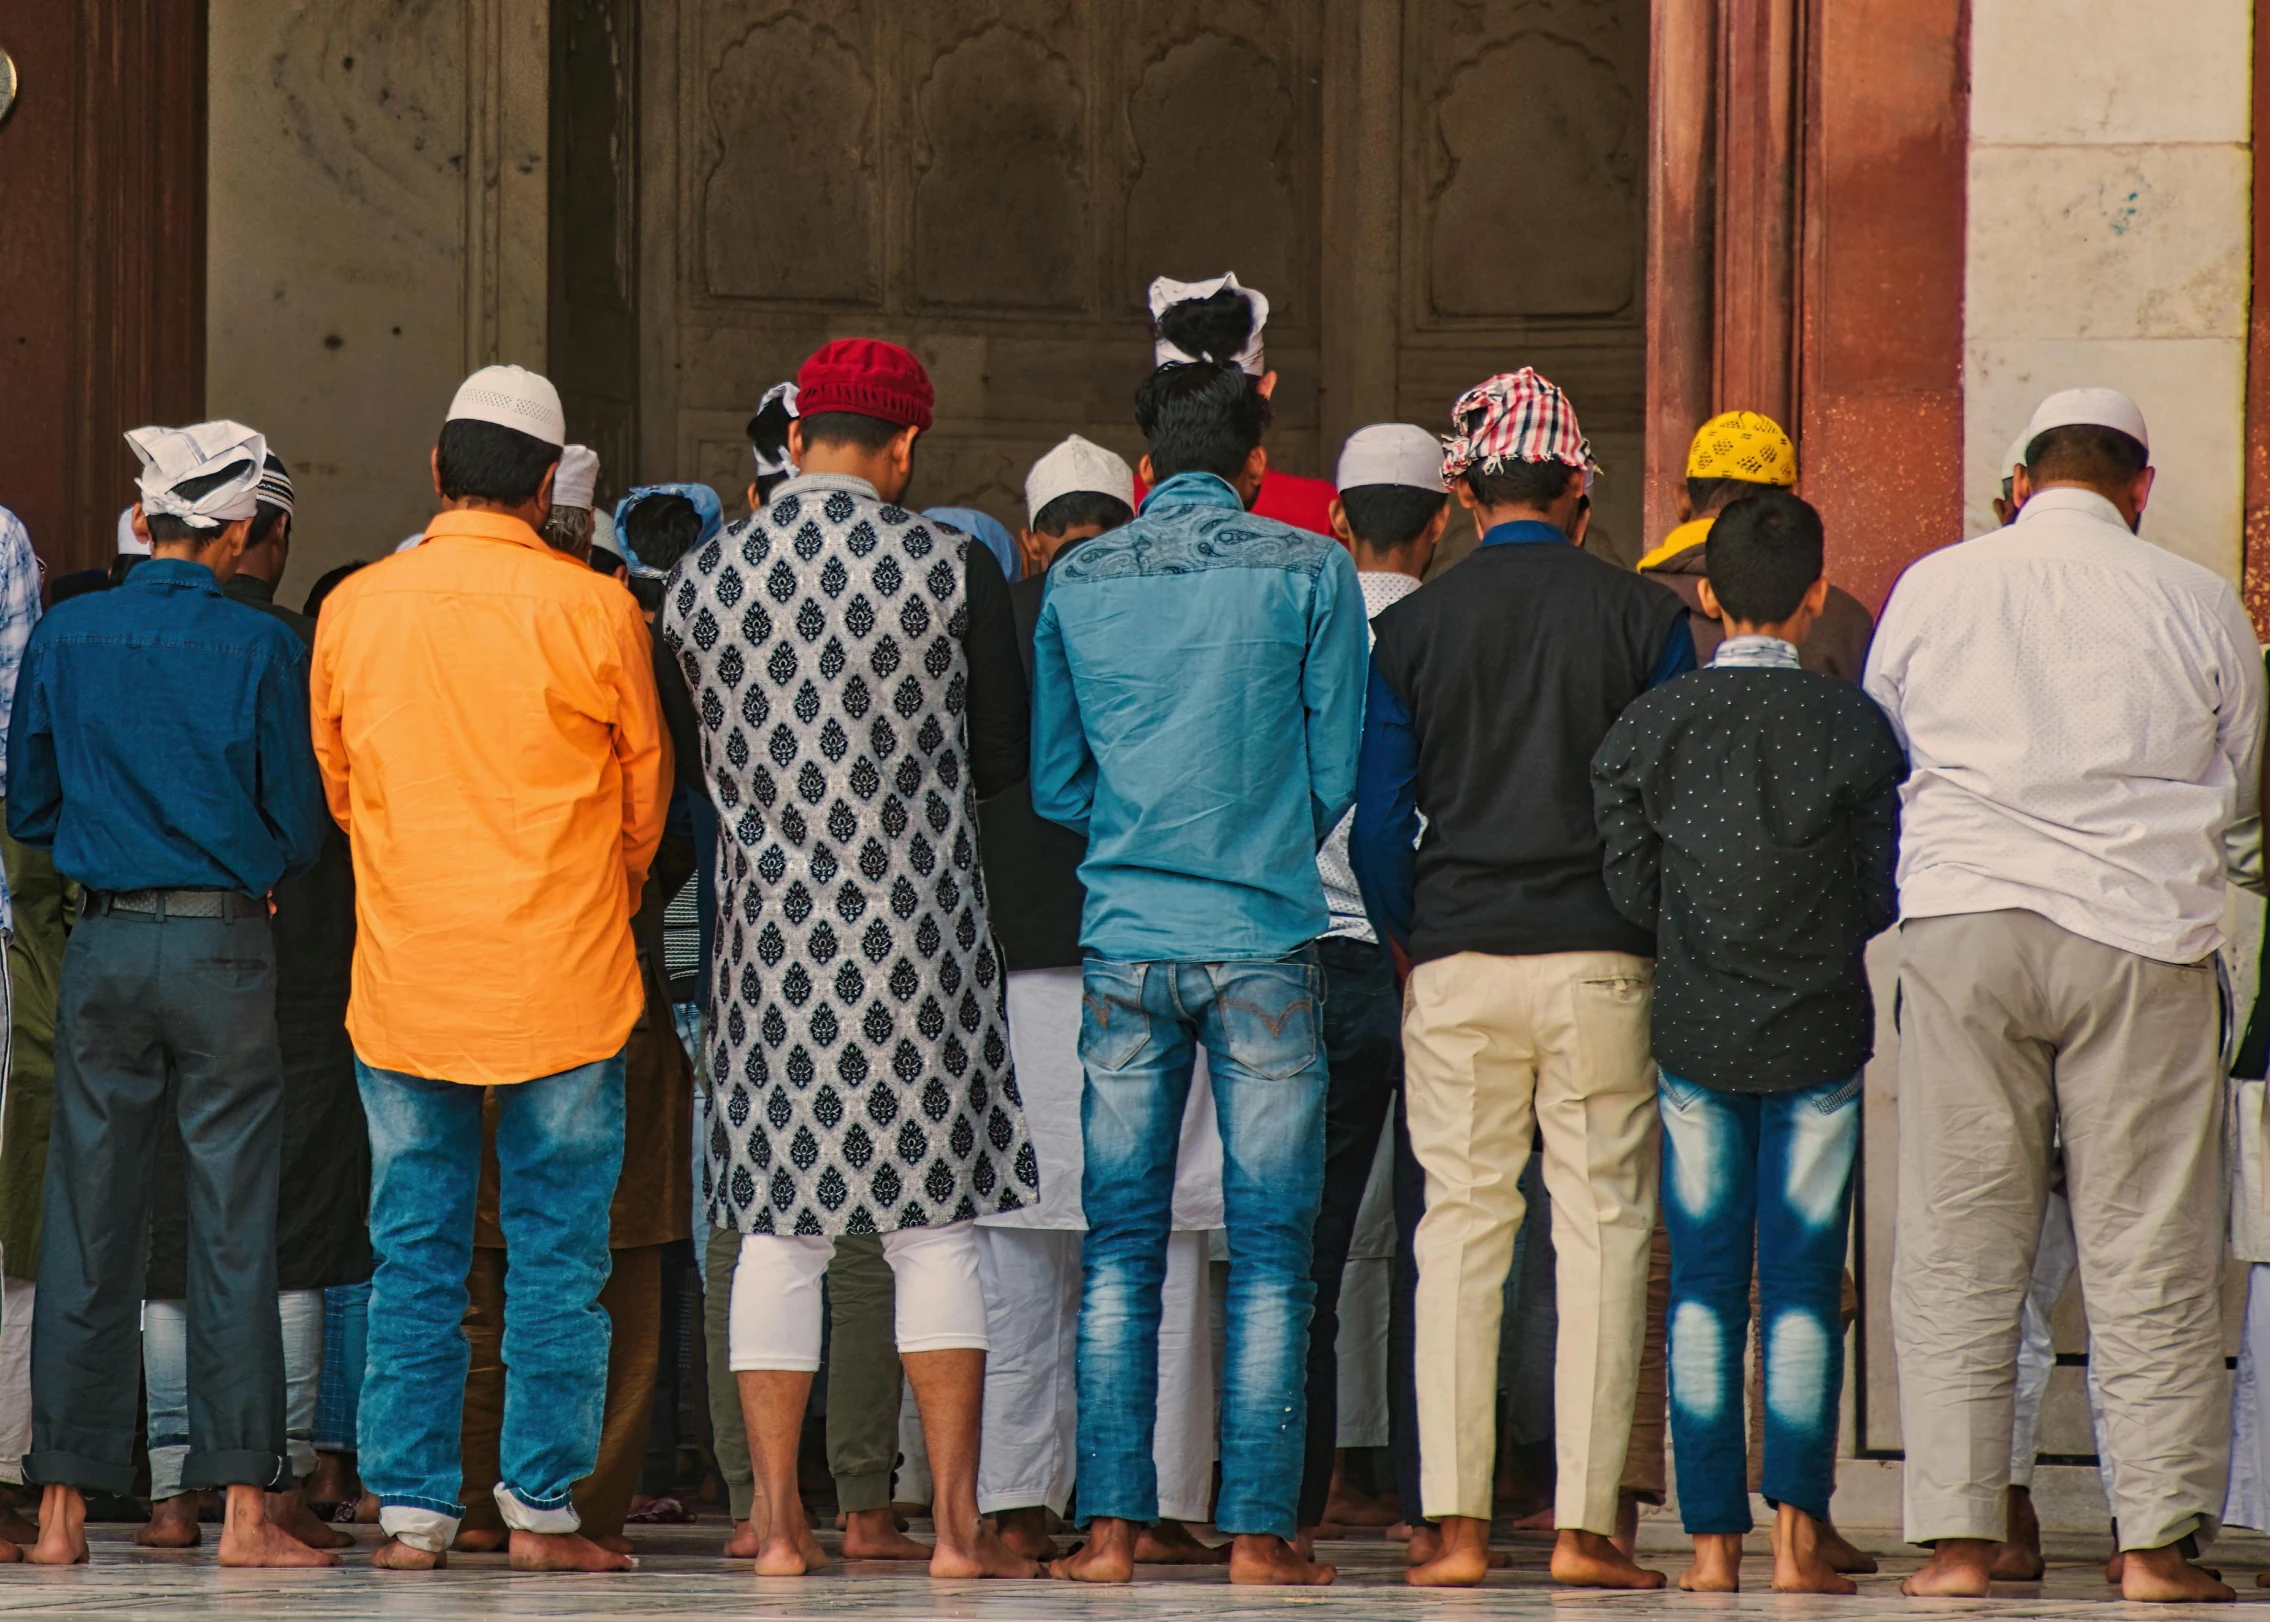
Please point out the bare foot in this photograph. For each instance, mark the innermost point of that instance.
(14, 1528)
(2262, 1579)
(2018, 1558)
(249, 1538)
(616, 1545)
(2165, 1577)
(366, 1509)
(1537, 1521)
(1588, 1560)
(9, 1552)
(1800, 1566)
(873, 1534)
(1717, 1566)
(1263, 1557)
(395, 1555)
(479, 1539)
(563, 1551)
(1025, 1532)
(1626, 1539)
(1348, 1505)
(1423, 1542)
(1107, 1557)
(1172, 1543)
(334, 1481)
(743, 1544)
(1400, 1532)
(62, 1529)
(984, 1555)
(172, 1523)
(289, 1510)
(1839, 1552)
(1461, 1557)
(791, 1550)
(1959, 1568)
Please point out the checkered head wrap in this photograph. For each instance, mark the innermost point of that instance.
(1514, 417)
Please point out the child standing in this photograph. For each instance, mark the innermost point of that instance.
(1750, 813)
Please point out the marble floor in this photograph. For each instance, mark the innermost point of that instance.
(680, 1575)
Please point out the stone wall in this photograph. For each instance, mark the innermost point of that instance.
(376, 228)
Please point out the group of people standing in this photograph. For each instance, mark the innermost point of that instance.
(1167, 870)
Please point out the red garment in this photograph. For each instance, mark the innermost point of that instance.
(1286, 497)
(869, 376)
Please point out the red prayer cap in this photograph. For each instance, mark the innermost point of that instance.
(869, 376)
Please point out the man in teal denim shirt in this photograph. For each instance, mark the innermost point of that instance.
(1197, 708)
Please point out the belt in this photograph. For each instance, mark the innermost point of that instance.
(164, 904)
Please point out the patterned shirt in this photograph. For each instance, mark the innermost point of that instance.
(19, 612)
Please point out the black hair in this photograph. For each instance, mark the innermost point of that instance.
(169, 530)
(662, 529)
(77, 583)
(1704, 496)
(1388, 517)
(853, 428)
(328, 582)
(1520, 484)
(1076, 509)
(2083, 453)
(1213, 328)
(647, 592)
(1203, 417)
(1764, 553)
(768, 437)
(609, 563)
(490, 462)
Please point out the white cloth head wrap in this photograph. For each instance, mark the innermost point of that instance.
(512, 397)
(1078, 465)
(129, 543)
(784, 465)
(1166, 293)
(172, 457)
(1391, 453)
(577, 482)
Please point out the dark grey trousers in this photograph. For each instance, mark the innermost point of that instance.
(155, 1018)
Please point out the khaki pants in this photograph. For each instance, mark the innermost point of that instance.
(2012, 1027)
(1497, 1049)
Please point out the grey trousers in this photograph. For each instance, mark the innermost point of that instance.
(863, 1374)
(154, 1017)
(2010, 1027)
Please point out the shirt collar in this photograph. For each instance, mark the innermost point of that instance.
(1756, 653)
(173, 574)
(2070, 499)
(1193, 489)
(1524, 532)
(805, 483)
(481, 524)
(1383, 589)
(252, 586)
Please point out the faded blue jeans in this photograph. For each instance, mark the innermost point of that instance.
(1139, 1029)
(559, 1152)
(1769, 1174)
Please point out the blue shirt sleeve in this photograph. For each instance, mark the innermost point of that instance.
(35, 785)
(291, 786)
(1382, 843)
(1063, 767)
(1332, 690)
(1677, 657)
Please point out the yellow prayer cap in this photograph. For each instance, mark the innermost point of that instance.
(1742, 445)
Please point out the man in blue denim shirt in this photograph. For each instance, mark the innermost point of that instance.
(1197, 707)
(159, 743)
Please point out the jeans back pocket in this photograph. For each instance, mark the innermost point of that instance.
(1114, 1027)
(1268, 1016)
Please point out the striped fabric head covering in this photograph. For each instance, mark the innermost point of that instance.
(276, 483)
(1514, 417)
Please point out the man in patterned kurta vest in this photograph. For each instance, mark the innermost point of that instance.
(858, 689)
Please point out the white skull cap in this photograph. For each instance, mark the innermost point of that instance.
(512, 397)
(577, 482)
(1391, 453)
(2090, 408)
(1078, 465)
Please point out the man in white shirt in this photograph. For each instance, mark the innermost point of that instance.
(2083, 712)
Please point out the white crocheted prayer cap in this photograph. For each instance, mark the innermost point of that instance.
(1391, 453)
(172, 457)
(577, 481)
(1077, 465)
(512, 397)
(2091, 408)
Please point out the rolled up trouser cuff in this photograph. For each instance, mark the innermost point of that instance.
(232, 1467)
(863, 1491)
(420, 1526)
(521, 1515)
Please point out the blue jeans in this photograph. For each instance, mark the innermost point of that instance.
(559, 1151)
(1139, 1026)
(1769, 1174)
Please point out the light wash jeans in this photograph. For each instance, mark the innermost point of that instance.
(1139, 1028)
(165, 1372)
(1768, 1174)
(559, 1152)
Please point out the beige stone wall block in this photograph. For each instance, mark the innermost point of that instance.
(2192, 392)
(2115, 71)
(2108, 242)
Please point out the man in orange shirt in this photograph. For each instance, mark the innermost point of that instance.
(486, 721)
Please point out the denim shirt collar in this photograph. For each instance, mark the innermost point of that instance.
(1193, 489)
(172, 574)
(1524, 532)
